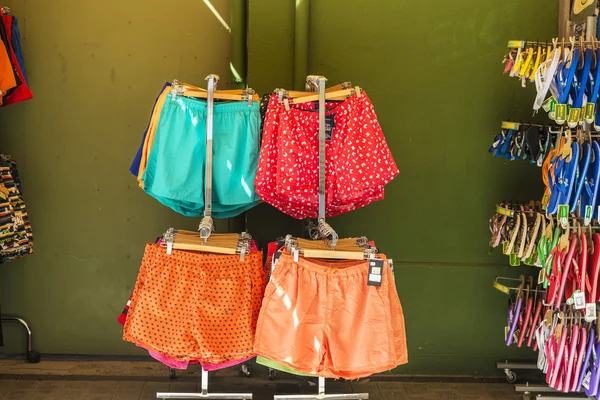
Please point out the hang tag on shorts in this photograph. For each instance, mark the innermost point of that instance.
(590, 312)
(276, 257)
(329, 126)
(506, 330)
(375, 272)
(579, 299)
(296, 255)
(169, 248)
(587, 380)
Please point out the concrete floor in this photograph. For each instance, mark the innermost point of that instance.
(262, 389)
(69, 380)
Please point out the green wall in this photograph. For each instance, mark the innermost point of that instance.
(95, 68)
(433, 72)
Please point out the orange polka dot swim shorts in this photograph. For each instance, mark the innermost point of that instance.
(192, 306)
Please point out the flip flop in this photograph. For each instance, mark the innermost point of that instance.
(589, 191)
(579, 88)
(565, 82)
(579, 358)
(595, 266)
(593, 89)
(571, 359)
(595, 380)
(584, 164)
(514, 312)
(586, 364)
(573, 245)
(565, 174)
(559, 364)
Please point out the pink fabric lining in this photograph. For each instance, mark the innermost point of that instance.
(183, 364)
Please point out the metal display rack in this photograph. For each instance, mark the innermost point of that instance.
(317, 83)
(31, 355)
(206, 228)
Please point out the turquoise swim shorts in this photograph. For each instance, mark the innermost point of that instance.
(175, 173)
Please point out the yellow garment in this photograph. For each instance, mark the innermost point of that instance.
(149, 140)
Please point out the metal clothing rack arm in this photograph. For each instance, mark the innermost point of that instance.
(207, 225)
(317, 82)
(206, 228)
(325, 230)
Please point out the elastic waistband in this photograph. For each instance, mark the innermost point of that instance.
(340, 268)
(219, 108)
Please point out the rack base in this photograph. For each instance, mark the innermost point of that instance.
(232, 396)
(508, 368)
(204, 394)
(32, 356)
(322, 395)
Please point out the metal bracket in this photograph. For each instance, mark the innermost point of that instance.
(322, 395)
(204, 394)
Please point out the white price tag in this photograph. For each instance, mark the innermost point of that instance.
(579, 298)
(590, 312)
(169, 248)
(587, 380)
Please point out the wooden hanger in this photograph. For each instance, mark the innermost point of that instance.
(335, 95)
(345, 249)
(220, 243)
(188, 90)
(293, 94)
(231, 95)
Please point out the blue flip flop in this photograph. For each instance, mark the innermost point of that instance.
(565, 173)
(557, 171)
(593, 178)
(584, 163)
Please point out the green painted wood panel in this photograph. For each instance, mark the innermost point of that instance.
(95, 68)
(433, 71)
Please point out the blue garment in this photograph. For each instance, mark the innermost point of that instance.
(175, 171)
(16, 44)
(135, 164)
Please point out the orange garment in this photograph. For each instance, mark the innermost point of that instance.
(7, 73)
(192, 306)
(322, 318)
(149, 140)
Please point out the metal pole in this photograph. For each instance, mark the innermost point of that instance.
(564, 12)
(590, 28)
(209, 144)
(301, 34)
(321, 386)
(321, 87)
(204, 381)
(239, 29)
(206, 225)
